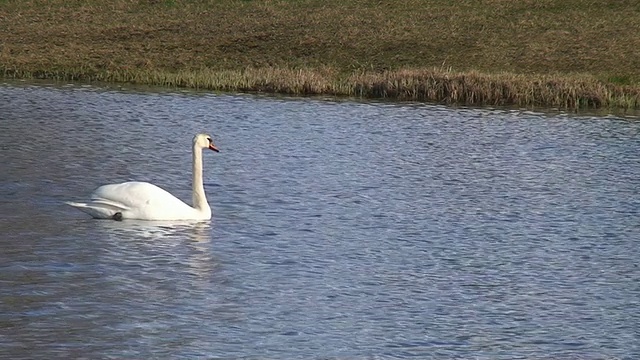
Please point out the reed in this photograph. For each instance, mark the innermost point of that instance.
(492, 52)
(469, 88)
(473, 88)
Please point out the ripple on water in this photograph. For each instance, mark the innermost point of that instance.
(340, 229)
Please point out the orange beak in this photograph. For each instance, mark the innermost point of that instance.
(213, 147)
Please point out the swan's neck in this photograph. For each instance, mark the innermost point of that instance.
(199, 198)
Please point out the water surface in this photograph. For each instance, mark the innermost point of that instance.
(341, 229)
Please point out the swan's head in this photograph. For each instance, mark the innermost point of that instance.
(204, 141)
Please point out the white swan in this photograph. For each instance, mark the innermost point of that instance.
(145, 201)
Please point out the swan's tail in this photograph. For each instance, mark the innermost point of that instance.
(99, 208)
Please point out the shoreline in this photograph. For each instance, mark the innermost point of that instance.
(492, 53)
(435, 86)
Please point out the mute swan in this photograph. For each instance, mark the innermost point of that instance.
(145, 201)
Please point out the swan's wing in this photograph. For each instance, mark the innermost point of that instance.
(97, 209)
(135, 195)
(136, 200)
(109, 204)
(100, 208)
(141, 200)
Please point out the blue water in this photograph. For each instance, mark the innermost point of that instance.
(341, 229)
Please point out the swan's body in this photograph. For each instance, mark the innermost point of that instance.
(145, 201)
(141, 201)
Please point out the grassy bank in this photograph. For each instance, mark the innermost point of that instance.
(531, 53)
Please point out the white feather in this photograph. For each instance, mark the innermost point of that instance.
(145, 201)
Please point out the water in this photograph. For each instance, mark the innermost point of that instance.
(340, 230)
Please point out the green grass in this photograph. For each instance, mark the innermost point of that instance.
(529, 53)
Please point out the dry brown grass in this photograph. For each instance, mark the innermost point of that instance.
(571, 53)
(498, 89)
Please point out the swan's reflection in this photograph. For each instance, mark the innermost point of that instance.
(168, 267)
(197, 230)
(158, 243)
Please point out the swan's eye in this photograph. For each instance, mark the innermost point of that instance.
(210, 141)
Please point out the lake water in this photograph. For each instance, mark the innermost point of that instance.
(340, 229)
